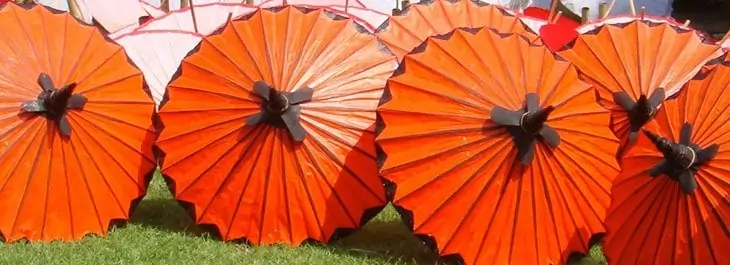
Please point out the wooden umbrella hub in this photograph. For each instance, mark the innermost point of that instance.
(641, 111)
(527, 126)
(681, 159)
(281, 109)
(54, 103)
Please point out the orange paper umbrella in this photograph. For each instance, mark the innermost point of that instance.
(636, 65)
(410, 28)
(670, 203)
(506, 159)
(269, 132)
(77, 128)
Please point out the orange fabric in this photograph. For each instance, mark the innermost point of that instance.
(455, 170)
(637, 58)
(255, 182)
(651, 221)
(62, 189)
(405, 32)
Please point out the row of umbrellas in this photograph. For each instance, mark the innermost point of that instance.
(288, 123)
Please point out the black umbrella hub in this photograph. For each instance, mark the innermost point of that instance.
(527, 127)
(281, 109)
(54, 103)
(682, 159)
(641, 111)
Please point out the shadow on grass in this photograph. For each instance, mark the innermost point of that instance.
(388, 241)
(165, 214)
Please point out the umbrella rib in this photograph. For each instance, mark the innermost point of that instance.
(587, 154)
(659, 203)
(667, 216)
(706, 233)
(88, 187)
(345, 168)
(68, 191)
(516, 217)
(43, 28)
(444, 15)
(512, 166)
(574, 183)
(624, 68)
(248, 179)
(111, 135)
(107, 84)
(226, 79)
(562, 196)
(40, 134)
(98, 167)
(14, 145)
(633, 231)
(267, 52)
(284, 60)
(227, 57)
(96, 141)
(34, 49)
(77, 57)
(248, 52)
(323, 177)
(309, 194)
(344, 63)
(206, 146)
(48, 185)
(106, 61)
(91, 112)
(547, 189)
(688, 227)
(505, 69)
(485, 86)
(595, 76)
(657, 63)
(267, 177)
(282, 146)
(395, 20)
(434, 155)
(350, 96)
(470, 179)
(444, 96)
(562, 202)
(168, 165)
(296, 72)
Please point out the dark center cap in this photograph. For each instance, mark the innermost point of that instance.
(641, 111)
(281, 109)
(54, 103)
(527, 127)
(681, 160)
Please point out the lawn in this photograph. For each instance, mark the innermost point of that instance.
(161, 233)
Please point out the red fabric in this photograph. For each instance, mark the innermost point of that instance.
(557, 35)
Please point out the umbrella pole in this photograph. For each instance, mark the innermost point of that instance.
(249, 2)
(608, 10)
(584, 14)
(184, 4)
(165, 5)
(404, 5)
(192, 14)
(73, 8)
(602, 10)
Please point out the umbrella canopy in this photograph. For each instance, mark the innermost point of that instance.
(200, 19)
(410, 28)
(78, 138)
(368, 18)
(635, 66)
(158, 53)
(507, 158)
(286, 151)
(670, 203)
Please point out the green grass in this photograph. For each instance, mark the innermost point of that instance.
(161, 233)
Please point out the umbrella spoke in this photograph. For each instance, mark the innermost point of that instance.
(527, 127)
(681, 161)
(281, 109)
(54, 103)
